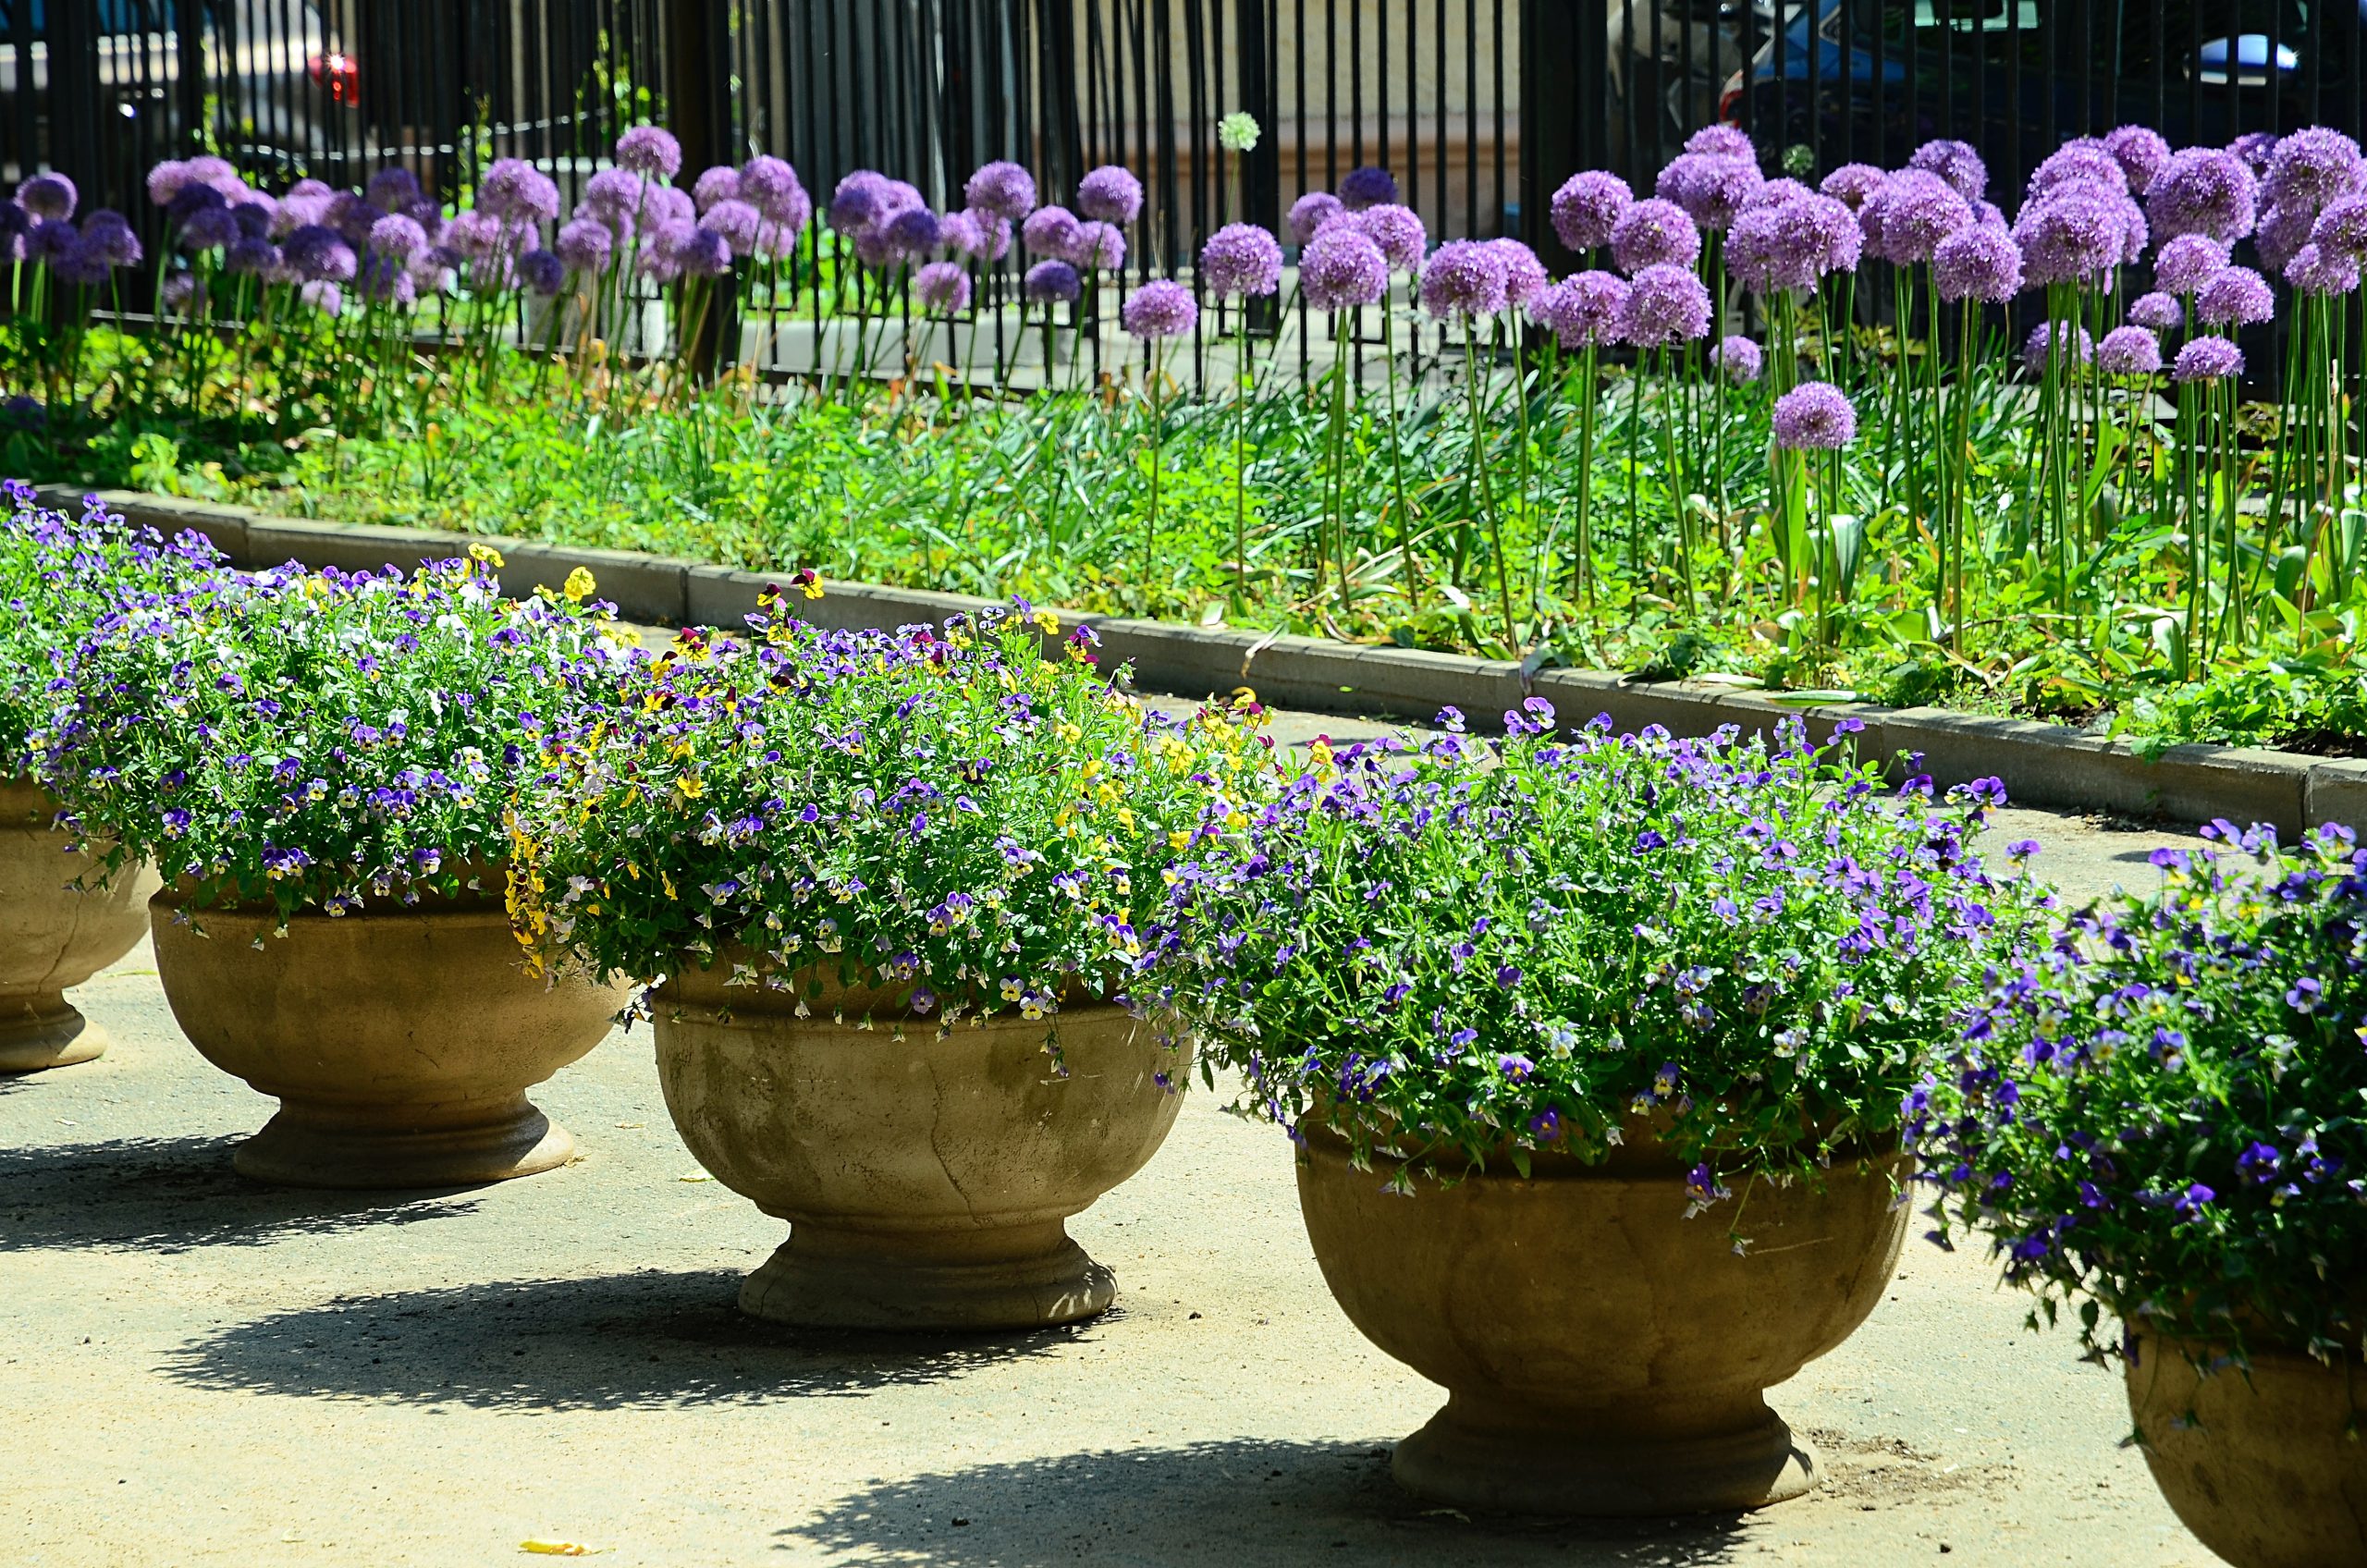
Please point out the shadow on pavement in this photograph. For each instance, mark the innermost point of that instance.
(1223, 1504)
(643, 1339)
(174, 1194)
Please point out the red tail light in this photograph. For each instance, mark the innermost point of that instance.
(340, 74)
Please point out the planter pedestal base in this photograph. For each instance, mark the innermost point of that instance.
(1476, 1457)
(46, 1031)
(1009, 1277)
(365, 1148)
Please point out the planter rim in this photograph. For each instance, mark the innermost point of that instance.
(1638, 1160)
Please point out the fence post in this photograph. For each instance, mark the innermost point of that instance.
(1563, 63)
(698, 107)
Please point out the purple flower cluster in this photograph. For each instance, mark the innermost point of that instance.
(1239, 259)
(1815, 416)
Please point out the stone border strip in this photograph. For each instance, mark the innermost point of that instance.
(2041, 764)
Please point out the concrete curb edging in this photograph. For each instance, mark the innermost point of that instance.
(2041, 764)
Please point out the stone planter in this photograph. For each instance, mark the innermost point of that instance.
(400, 1042)
(2263, 1465)
(924, 1181)
(1601, 1354)
(53, 937)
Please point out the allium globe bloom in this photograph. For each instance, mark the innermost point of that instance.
(1465, 277)
(1109, 194)
(51, 196)
(431, 272)
(1586, 310)
(2203, 190)
(1853, 184)
(1343, 269)
(471, 236)
(1711, 187)
(959, 232)
(1238, 131)
(182, 291)
(1001, 187)
(352, 217)
(1722, 141)
(1050, 232)
(1651, 233)
(1905, 221)
(1161, 308)
(739, 222)
(2157, 312)
(912, 233)
(166, 179)
(942, 287)
(2238, 297)
(1367, 186)
(1793, 244)
(109, 235)
(2185, 263)
(2317, 271)
(255, 216)
(1241, 258)
(392, 189)
(2281, 233)
(1311, 212)
(770, 186)
(1586, 207)
(514, 191)
(252, 257)
(1738, 360)
(648, 149)
(1398, 231)
(1957, 163)
(1979, 263)
(2074, 234)
(194, 199)
(2342, 229)
(398, 237)
(2139, 151)
(319, 255)
(50, 240)
(2083, 160)
(1052, 283)
(382, 280)
(2311, 167)
(541, 272)
(1525, 275)
(1815, 416)
(720, 183)
(1099, 246)
(1666, 303)
(704, 254)
(2207, 358)
(670, 203)
(322, 296)
(2074, 339)
(2128, 350)
(584, 245)
(2255, 147)
(617, 197)
(209, 230)
(1772, 193)
(859, 201)
(993, 235)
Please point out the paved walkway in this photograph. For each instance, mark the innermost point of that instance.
(194, 1369)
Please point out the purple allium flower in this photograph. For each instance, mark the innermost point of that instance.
(322, 296)
(318, 255)
(2074, 234)
(1098, 245)
(1049, 231)
(542, 272)
(1399, 232)
(1585, 310)
(1738, 360)
(1666, 303)
(392, 189)
(740, 224)
(1367, 186)
(398, 237)
(2237, 297)
(257, 214)
(2128, 350)
(2140, 152)
(1957, 163)
(1853, 184)
(2188, 262)
(182, 291)
(1710, 186)
(942, 287)
(1906, 220)
(1773, 193)
(1311, 212)
(720, 183)
(2255, 147)
(2314, 270)
(2207, 358)
(53, 196)
(1585, 207)
(704, 253)
(647, 149)
(1161, 308)
(1052, 282)
(2157, 312)
(514, 191)
(2281, 233)
(191, 199)
(910, 234)
(166, 179)
(616, 197)
(1979, 263)
(1241, 258)
(77, 260)
(2034, 348)
(668, 204)
(1525, 275)
(859, 201)
(1109, 194)
(2203, 190)
(2311, 168)
(1342, 269)
(51, 240)
(1465, 277)
(252, 257)
(1651, 233)
(209, 230)
(1815, 416)
(661, 260)
(2342, 229)
(1793, 244)
(1722, 140)
(584, 245)
(2083, 160)
(1001, 187)
(771, 186)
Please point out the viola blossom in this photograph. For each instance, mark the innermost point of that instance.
(1738, 360)
(2129, 351)
(2207, 358)
(2321, 273)
(1311, 212)
(2236, 296)
(2066, 338)
(1957, 163)
(1666, 305)
(2188, 262)
(1160, 308)
(1464, 278)
(2157, 312)
(1001, 187)
(1398, 231)
(1241, 258)
(1815, 416)
(1585, 207)
(2140, 152)
(1587, 310)
(1654, 232)
(942, 287)
(2203, 190)
(1367, 186)
(1980, 263)
(650, 150)
(1853, 185)
(1712, 187)
(1049, 231)
(1109, 194)
(1053, 282)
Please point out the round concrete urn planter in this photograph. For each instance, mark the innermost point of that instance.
(52, 936)
(925, 1180)
(400, 1042)
(1601, 1354)
(2262, 1464)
